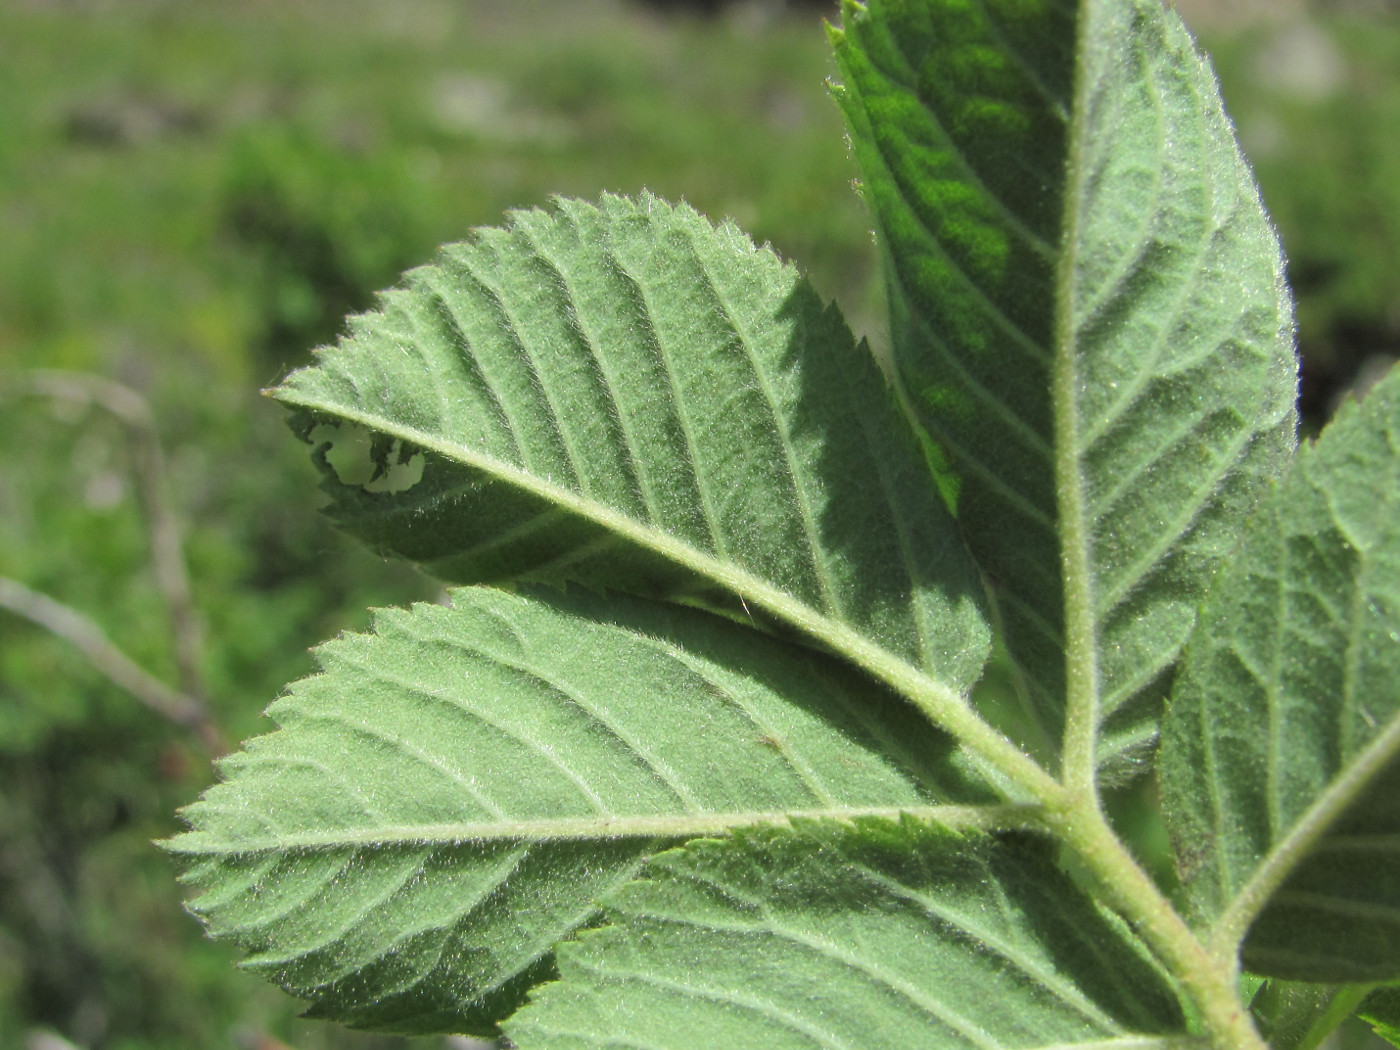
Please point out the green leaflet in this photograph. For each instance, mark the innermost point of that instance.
(626, 396)
(877, 934)
(452, 793)
(1389, 1033)
(1381, 1010)
(1089, 318)
(1294, 1015)
(1279, 760)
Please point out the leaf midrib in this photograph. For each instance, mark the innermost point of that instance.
(1078, 758)
(1007, 817)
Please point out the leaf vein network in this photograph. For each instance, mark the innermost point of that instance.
(508, 327)
(413, 752)
(1035, 441)
(768, 1010)
(252, 758)
(995, 942)
(973, 177)
(462, 703)
(336, 933)
(718, 549)
(460, 344)
(939, 1011)
(597, 366)
(1174, 530)
(899, 518)
(1055, 105)
(821, 570)
(653, 763)
(1103, 503)
(1019, 337)
(311, 887)
(520, 339)
(803, 770)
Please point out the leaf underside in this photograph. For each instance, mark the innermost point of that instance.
(1147, 289)
(877, 933)
(626, 396)
(1298, 1015)
(452, 794)
(1280, 750)
(740, 533)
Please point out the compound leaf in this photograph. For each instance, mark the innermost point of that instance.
(452, 793)
(1281, 748)
(627, 396)
(1088, 317)
(871, 933)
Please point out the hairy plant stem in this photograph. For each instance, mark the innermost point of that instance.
(1074, 816)
(1074, 813)
(1209, 981)
(1078, 762)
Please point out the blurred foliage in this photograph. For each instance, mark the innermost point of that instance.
(1316, 101)
(194, 193)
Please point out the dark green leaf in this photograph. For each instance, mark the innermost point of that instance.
(1088, 316)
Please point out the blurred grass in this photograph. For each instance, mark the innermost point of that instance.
(204, 177)
(194, 193)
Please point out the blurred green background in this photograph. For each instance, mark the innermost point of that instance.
(192, 195)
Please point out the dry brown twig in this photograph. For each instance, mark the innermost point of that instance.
(186, 705)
